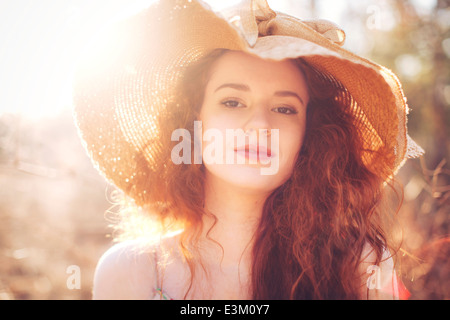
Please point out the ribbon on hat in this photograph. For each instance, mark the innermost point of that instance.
(254, 18)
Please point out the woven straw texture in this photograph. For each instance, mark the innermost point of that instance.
(129, 76)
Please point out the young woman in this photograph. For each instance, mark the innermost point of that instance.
(257, 137)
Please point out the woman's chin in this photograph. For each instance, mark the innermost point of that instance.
(249, 177)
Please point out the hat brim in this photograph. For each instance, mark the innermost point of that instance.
(128, 77)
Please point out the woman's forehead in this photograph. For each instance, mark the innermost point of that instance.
(247, 69)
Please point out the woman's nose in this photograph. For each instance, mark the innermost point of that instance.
(258, 121)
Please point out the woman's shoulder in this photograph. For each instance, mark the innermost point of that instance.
(127, 270)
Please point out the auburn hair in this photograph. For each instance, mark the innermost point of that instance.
(314, 227)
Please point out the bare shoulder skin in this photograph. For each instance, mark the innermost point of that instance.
(125, 271)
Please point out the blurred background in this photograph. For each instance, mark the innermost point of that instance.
(53, 203)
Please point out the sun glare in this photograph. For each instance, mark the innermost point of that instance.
(41, 43)
(43, 40)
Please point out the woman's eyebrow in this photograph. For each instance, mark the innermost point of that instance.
(244, 87)
(237, 86)
(289, 94)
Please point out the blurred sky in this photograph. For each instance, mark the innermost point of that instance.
(41, 40)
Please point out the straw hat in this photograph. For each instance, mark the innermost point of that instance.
(127, 78)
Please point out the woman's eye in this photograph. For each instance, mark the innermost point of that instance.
(285, 110)
(232, 104)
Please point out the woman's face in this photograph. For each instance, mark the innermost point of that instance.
(267, 100)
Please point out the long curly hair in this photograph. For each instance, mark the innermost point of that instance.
(314, 227)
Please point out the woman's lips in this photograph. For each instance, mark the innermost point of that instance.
(256, 153)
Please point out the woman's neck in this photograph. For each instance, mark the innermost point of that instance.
(238, 212)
